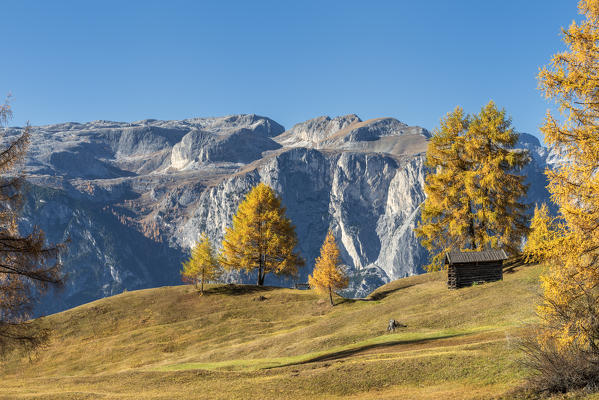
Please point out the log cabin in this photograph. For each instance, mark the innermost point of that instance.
(472, 267)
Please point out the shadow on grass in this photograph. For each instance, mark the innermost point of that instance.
(384, 293)
(344, 300)
(237, 290)
(350, 352)
(511, 265)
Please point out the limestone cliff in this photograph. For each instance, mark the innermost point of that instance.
(133, 197)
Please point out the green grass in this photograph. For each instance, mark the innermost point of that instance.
(329, 354)
(171, 343)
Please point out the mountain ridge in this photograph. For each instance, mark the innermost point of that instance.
(160, 183)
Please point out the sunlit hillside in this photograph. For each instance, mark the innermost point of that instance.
(246, 342)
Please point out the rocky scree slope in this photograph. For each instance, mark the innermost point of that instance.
(133, 197)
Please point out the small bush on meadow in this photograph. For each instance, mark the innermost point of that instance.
(560, 371)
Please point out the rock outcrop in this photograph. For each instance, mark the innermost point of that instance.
(133, 197)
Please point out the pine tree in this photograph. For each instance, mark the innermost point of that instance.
(327, 276)
(474, 193)
(262, 238)
(202, 266)
(28, 267)
(570, 310)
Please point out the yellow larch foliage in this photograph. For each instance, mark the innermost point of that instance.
(474, 192)
(545, 232)
(445, 216)
(570, 287)
(493, 183)
(328, 277)
(203, 265)
(262, 238)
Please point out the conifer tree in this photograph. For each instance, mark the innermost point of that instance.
(203, 265)
(262, 238)
(474, 192)
(28, 267)
(570, 310)
(446, 218)
(493, 184)
(328, 277)
(545, 230)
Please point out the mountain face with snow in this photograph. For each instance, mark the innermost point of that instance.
(132, 198)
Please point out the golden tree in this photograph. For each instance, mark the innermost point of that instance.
(474, 192)
(545, 231)
(203, 265)
(446, 218)
(494, 186)
(570, 310)
(27, 266)
(328, 277)
(262, 238)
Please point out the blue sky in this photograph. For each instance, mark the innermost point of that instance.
(291, 61)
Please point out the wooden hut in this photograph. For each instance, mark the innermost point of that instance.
(467, 268)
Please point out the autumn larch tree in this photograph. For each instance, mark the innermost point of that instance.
(328, 277)
(203, 265)
(262, 238)
(474, 191)
(446, 217)
(27, 266)
(545, 231)
(570, 309)
(494, 183)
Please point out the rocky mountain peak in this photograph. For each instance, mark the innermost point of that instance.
(133, 197)
(349, 132)
(313, 131)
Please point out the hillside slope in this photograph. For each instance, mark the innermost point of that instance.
(248, 342)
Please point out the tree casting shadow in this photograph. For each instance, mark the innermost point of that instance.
(384, 293)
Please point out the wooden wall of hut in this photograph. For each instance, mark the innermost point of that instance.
(466, 274)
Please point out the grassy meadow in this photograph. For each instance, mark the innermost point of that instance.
(241, 341)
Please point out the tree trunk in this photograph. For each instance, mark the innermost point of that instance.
(202, 282)
(260, 271)
(260, 276)
(331, 296)
(471, 228)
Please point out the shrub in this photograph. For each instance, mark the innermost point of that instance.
(560, 369)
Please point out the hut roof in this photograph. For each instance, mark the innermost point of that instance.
(458, 257)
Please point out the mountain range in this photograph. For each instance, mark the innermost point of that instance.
(132, 198)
